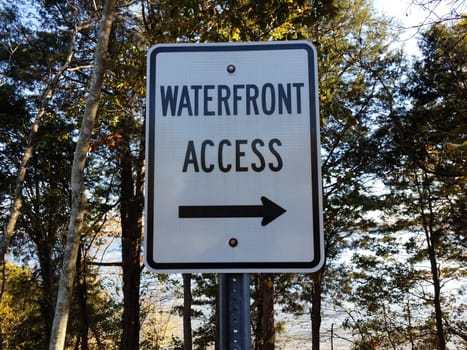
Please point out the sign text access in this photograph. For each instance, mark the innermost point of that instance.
(233, 169)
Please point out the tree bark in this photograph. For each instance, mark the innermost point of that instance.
(62, 310)
(131, 212)
(187, 301)
(269, 331)
(258, 325)
(48, 284)
(81, 291)
(431, 241)
(316, 310)
(440, 336)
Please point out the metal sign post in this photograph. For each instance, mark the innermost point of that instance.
(234, 311)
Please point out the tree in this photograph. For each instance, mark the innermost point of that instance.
(435, 161)
(263, 318)
(224, 20)
(40, 55)
(187, 301)
(22, 326)
(43, 215)
(121, 146)
(13, 52)
(38, 238)
(424, 165)
(77, 184)
(357, 71)
(13, 116)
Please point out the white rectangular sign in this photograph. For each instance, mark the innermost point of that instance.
(233, 166)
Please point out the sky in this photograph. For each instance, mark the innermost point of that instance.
(410, 16)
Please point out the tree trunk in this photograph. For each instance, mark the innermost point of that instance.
(316, 310)
(81, 296)
(269, 333)
(131, 213)
(264, 329)
(48, 283)
(131, 248)
(62, 310)
(187, 301)
(258, 303)
(431, 241)
(440, 337)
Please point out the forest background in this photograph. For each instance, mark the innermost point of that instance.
(393, 137)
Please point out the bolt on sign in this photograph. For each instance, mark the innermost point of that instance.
(233, 179)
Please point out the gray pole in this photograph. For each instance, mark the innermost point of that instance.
(234, 311)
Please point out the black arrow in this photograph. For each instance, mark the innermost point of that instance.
(268, 211)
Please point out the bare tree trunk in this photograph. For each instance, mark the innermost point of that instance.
(316, 310)
(258, 320)
(131, 212)
(269, 331)
(332, 336)
(187, 301)
(82, 290)
(410, 327)
(44, 250)
(431, 247)
(65, 288)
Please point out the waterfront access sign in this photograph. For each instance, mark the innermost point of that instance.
(233, 181)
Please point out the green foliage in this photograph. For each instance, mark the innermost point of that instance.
(355, 71)
(20, 315)
(14, 120)
(356, 82)
(430, 174)
(224, 21)
(204, 302)
(100, 316)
